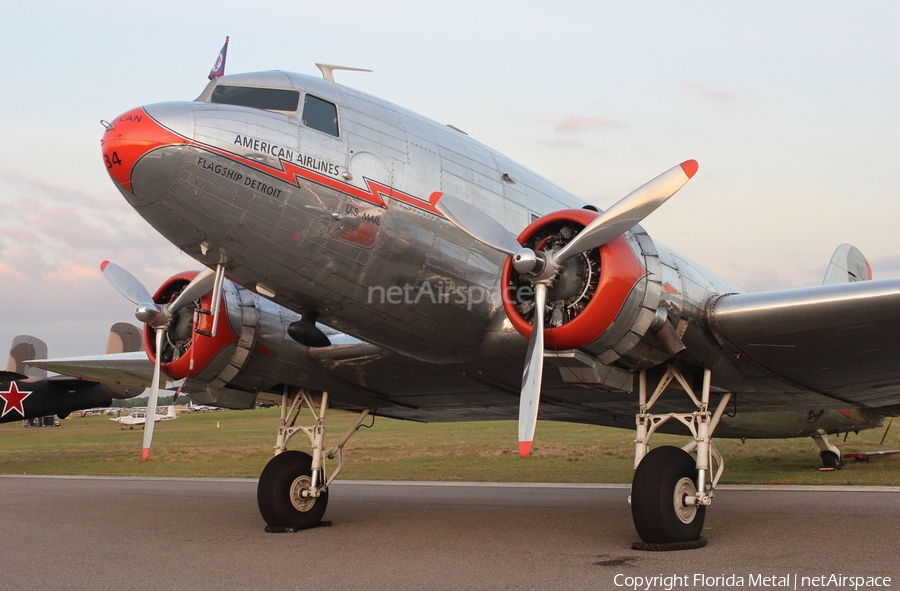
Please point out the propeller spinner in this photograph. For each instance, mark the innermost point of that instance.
(541, 267)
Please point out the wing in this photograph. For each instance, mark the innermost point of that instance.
(842, 341)
(131, 369)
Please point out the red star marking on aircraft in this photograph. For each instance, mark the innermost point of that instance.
(12, 400)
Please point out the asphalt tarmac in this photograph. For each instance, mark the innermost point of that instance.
(180, 534)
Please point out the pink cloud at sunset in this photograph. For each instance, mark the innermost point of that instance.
(580, 124)
(722, 96)
(52, 240)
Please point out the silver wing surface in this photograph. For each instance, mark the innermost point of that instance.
(132, 369)
(799, 348)
(842, 341)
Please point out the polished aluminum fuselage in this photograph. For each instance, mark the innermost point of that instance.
(334, 223)
(344, 225)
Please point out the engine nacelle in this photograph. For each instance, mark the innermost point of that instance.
(250, 352)
(606, 302)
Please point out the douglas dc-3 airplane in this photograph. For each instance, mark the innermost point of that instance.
(429, 258)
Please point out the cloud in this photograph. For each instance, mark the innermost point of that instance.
(580, 124)
(722, 96)
(62, 224)
(52, 241)
(563, 144)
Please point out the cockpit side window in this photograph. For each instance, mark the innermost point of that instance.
(271, 99)
(321, 115)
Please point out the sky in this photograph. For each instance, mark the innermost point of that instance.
(792, 110)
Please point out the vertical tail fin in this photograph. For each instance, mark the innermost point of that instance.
(847, 265)
(25, 348)
(171, 411)
(124, 338)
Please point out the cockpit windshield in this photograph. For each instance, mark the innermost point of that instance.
(271, 99)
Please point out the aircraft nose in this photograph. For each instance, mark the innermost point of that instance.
(137, 132)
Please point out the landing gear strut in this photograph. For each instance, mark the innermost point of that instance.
(293, 492)
(670, 490)
(832, 459)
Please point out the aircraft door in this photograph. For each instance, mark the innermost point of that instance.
(358, 220)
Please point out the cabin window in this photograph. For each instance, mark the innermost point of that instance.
(321, 115)
(271, 99)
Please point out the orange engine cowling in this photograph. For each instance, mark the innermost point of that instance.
(187, 349)
(599, 298)
(251, 351)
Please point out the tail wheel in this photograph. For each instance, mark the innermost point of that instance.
(279, 493)
(663, 480)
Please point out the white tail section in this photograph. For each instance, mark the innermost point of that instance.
(847, 266)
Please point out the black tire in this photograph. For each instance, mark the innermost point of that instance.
(653, 497)
(831, 461)
(273, 494)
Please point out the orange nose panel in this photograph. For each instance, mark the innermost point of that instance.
(133, 134)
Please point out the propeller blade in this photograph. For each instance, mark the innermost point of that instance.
(628, 211)
(477, 224)
(199, 287)
(150, 415)
(531, 377)
(126, 283)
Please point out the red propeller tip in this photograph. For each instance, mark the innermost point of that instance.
(524, 448)
(103, 265)
(690, 168)
(146, 454)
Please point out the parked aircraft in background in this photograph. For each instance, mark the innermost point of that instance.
(201, 407)
(139, 419)
(28, 393)
(319, 202)
(99, 411)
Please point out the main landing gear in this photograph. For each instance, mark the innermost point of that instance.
(671, 490)
(293, 492)
(832, 459)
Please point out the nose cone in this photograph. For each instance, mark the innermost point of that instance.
(138, 132)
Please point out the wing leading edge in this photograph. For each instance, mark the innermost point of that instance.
(132, 368)
(842, 341)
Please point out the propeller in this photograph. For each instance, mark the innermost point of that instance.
(150, 415)
(531, 376)
(541, 267)
(158, 317)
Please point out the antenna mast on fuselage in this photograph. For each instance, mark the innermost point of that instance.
(328, 70)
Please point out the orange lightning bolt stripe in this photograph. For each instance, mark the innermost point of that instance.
(154, 135)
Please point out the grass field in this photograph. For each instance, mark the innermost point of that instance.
(239, 443)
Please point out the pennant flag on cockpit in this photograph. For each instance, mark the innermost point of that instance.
(219, 67)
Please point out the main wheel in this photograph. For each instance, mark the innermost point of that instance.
(831, 461)
(279, 496)
(664, 478)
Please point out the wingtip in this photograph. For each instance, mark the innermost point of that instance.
(524, 448)
(690, 168)
(103, 265)
(146, 454)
